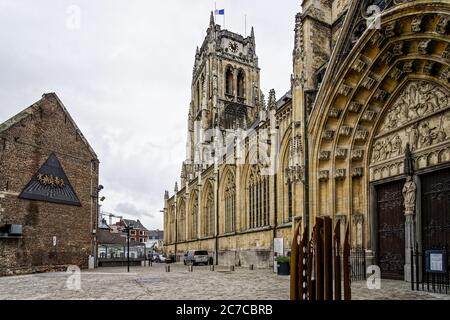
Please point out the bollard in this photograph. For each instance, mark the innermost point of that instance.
(231, 268)
(167, 268)
(251, 267)
(211, 268)
(190, 268)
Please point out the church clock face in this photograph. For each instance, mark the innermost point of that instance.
(233, 47)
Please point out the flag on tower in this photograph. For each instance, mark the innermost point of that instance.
(220, 12)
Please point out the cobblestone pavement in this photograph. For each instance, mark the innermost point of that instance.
(154, 283)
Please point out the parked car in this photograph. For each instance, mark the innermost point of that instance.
(195, 257)
(159, 258)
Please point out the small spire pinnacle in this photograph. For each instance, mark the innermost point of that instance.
(176, 187)
(211, 20)
(272, 103)
(252, 33)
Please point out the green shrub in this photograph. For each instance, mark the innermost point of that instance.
(283, 259)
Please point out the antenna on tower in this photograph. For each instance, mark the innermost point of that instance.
(245, 23)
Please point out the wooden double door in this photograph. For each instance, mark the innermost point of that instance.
(434, 196)
(435, 209)
(390, 230)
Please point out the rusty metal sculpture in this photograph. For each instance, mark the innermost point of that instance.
(294, 263)
(346, 262)
(316, 265)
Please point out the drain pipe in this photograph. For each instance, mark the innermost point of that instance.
(217, 219)
(306, 166)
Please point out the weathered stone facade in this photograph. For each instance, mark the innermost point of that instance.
(369, 78)
(27, 141)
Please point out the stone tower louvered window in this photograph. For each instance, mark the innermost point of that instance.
(229, 81)
(241, 84)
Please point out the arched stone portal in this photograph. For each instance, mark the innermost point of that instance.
(392, 89)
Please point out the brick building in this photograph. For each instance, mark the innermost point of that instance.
(138, 233)
(48, 190)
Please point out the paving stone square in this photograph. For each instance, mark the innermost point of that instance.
(153, 283)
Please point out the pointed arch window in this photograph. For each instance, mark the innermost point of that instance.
(259, 200)
(209, 213)
(181, 225)
(194, 217)
(230, 204)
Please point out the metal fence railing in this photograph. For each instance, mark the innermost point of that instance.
(358, 264)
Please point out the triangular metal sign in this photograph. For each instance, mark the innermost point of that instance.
(50, 184)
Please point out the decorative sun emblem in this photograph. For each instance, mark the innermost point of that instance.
(233, 47)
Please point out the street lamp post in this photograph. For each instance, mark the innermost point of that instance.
(128, 246)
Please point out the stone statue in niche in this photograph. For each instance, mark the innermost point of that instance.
(409, 195)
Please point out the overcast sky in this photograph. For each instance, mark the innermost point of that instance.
(124, 73)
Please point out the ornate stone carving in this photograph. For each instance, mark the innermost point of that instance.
(361, 63)
(446, 53)
(324, 175)
(390, 29)
(416, 23)
(408, 66)
(324, 155)
(377, 39)
(423, 46)
(340, 174)
(422, 134)
(357, 154)
(345, 131)
(444, 75)
(387, 57)
(328, 134)
(442, 24)
(428, 66)
(361, 134)
(357, 172)
(341, 153)
(395, 74)
(369, 115)
(409, 195)
(386, 148)
(398, 49)
(417, 100)
(355, 107)
(345, 89)
(370, 81)
(381, 95)
(335, 113)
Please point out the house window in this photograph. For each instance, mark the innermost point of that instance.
(133, 232)
(132, 239)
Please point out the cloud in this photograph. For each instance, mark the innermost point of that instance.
(125, 77)
(129, 209)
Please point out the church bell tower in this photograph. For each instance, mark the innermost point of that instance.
(226, 92)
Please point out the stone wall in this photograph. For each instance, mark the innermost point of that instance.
(27, 144)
